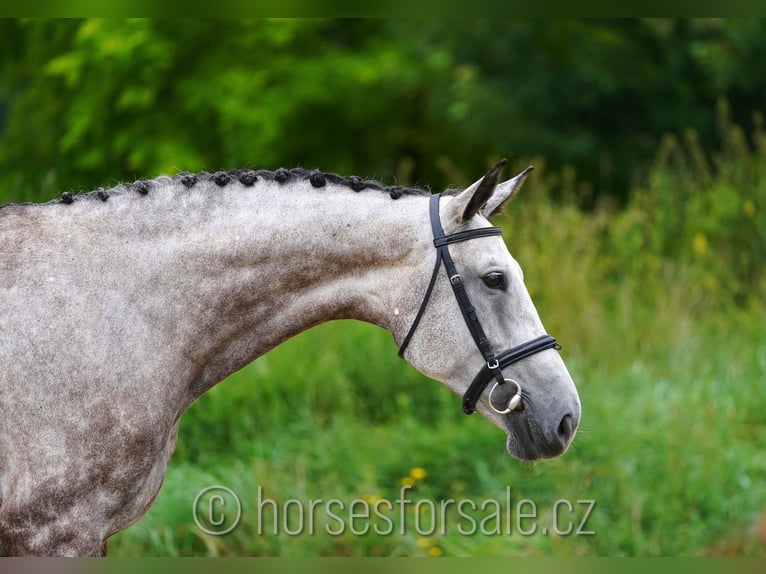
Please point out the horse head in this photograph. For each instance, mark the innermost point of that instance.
(478, 331)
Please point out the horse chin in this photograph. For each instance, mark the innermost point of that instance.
(523, 450)
(526, 444)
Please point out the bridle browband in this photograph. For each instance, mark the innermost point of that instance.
(493, 364)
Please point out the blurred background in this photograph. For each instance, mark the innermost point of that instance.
(641, 232)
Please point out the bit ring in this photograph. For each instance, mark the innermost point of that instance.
(513, 403)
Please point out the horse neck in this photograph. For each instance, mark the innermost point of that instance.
(234, 272)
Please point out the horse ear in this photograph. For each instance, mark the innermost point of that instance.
(469, 202)
(503, 193)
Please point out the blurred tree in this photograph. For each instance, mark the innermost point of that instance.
(94, 100)
(87, 102)
(599, 95)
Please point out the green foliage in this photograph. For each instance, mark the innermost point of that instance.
(703, 214)
(86, 102)
(656, 290)
(103, 100)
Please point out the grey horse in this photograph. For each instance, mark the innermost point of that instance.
(120, 307)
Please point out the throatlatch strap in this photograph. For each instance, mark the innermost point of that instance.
(422, 309)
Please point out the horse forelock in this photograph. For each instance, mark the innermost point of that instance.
(244, 177)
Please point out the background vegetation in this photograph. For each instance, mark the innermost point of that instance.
(642, 235)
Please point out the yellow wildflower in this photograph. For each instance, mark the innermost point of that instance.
(434, 551)
(699, 243)
(408, 481)
(417, 473)
(748, 209)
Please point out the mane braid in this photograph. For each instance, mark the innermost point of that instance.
(246, 177)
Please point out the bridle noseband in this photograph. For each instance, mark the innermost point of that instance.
(493, 364)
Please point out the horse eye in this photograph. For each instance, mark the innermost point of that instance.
(495, 280)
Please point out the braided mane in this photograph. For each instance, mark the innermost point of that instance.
(247, 178)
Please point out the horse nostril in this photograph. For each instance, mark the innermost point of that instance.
(566, 428)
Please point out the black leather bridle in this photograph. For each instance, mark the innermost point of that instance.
(493, 363)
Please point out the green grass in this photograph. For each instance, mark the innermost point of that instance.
(670, 449)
